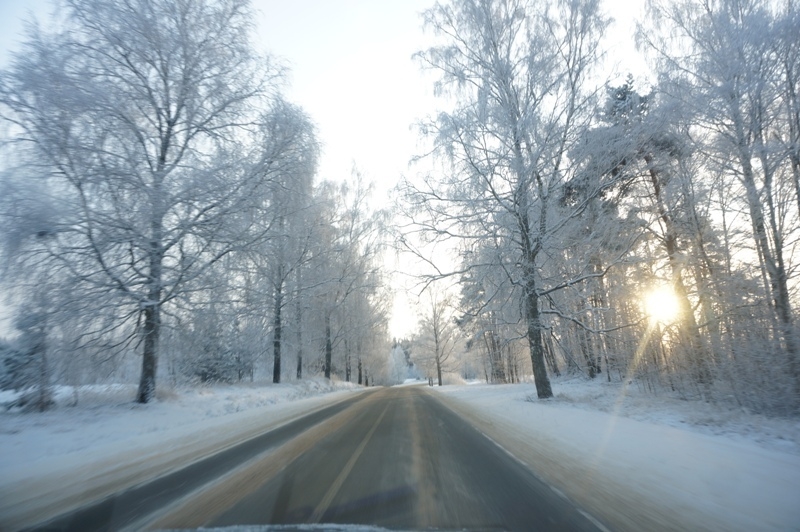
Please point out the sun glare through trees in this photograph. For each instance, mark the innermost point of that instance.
(661, 305)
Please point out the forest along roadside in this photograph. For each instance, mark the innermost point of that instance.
(635, 475)
(44, 489)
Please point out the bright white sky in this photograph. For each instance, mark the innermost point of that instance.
(351, 70)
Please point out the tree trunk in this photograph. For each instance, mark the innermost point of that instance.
(347, 370)
(796, 177)
(358, 358)
(588, 352)
(299, 362)
(360, 371)
(530, 294)
(298, 311)
(550, 356)
(495, 355)
(437, 343)
(775, 270)
(792, 101)
(534, 334)
(705, 272)
(277, 331)
(44, 374)
(328, 347)
(152, 307)
(152, 330)
(783, 301)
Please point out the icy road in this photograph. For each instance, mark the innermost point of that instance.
(393, 457)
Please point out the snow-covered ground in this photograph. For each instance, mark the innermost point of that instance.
(107, 414)
(644, 462)
(106, 442)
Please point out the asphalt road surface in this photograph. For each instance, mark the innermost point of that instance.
(395, 458)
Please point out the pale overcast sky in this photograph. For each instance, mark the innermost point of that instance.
(352, 72)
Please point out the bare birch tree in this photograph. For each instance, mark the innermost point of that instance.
(438, 332)
(518, 74)
(146, 119)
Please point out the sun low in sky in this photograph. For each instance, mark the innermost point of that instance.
(661, 305)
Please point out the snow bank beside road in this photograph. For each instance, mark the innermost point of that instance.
(656, 472)
(107, 415)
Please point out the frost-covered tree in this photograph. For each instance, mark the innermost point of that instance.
(732, 67)
(518, 74)
(647, 154)
(276, 262)
(152, 125)
(26, 365)
(345, 271)
(397, 368)
(438, 333)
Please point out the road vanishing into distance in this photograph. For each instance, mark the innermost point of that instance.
(390, 457)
